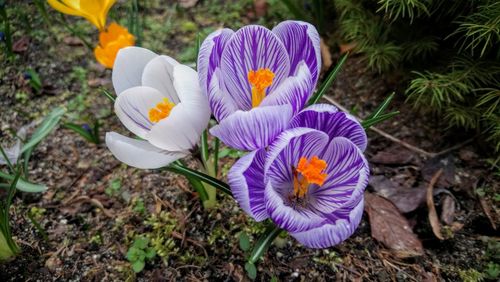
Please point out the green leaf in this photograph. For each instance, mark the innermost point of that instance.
(138, 266)
(23, 185)
(141, 242)
(108, 94)
(150, 253)
(376, 120)
(180, 169)
(204, 145)
(328, 81)
(264, 242)
(34, 81)
(251, 270)
(198, 186)
(244, 241)
(382, 107)
(47, 125)
(80, 130)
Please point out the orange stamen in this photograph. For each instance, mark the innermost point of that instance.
(311, 172)
(260, 80)
(161, 110)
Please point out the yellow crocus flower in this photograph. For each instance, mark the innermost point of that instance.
(95, 11)
(110, 42)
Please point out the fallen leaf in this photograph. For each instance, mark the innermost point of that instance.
(393, 156)
(187, 3)
(433, 218)
(446, 164)
(448, 208)
(344, 48)
(326, 56)
(260, 7)
(21, 45)
(390, 228)
(405, 199)
(487, 211)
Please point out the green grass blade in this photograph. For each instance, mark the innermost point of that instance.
(180, 169)
(382, 107)
(82, 132)
(328, 81)
(264, 242)
(376, 120)
(48, 124)
(23, 185)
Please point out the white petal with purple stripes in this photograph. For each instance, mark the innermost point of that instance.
(329, 120)
(294, 90)
(221, 104)
(246, 179)
(254, 129)
(251, 48)
(302, 42)
(132, 107)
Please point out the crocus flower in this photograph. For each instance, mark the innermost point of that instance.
(95, 11)
(256, 79)
(160, 101)
(311, 179)
(111, 41)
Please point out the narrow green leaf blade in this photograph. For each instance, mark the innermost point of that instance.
(180, 169)
(47, 125)
(328, 81)
(382, 107)
(264, 242)
(23, 185)
(376, 120)
(82, 132)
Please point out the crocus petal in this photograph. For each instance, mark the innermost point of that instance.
(347, 176)
(188, 89)
(286, 151)
(177, 132)
(302, 42)
(158, 74)
(328, 119)
(209, 57)
(221, 104)
(333, 233)
(139, 153)
(288, 217)
(132, 108)
(295, 91)
(128, 67)
(246, 179)
(251, 48)
(253, 129)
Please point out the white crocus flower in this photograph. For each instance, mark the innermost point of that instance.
(161, 102)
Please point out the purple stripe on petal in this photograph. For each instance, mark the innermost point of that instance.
(331, 234)
(221, 104)
(286, 152)
(209, 57)
(254, 129)
(251, 48)
(327, 119)
(288, 217)
(302, 42)
(246, 179)
(347, 176)
(294, 90)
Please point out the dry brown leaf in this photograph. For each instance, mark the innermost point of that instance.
(389, 227)
(21, 45)
(72, 41)
(260, 7)
(433, 218)
(326, 56)
(405, 199)
(344, 48)
(446, 164)
(394, 155)
(487, 211)
(448, 208)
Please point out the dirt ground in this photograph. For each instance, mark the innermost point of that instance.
(95, 206)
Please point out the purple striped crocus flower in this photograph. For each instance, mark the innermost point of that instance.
(311, 179)
(256, 79)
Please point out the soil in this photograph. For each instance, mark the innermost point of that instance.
(95, 206)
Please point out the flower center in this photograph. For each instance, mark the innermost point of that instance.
(260, 80)
(311, 172)
(161, 110)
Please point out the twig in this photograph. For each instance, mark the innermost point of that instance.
(399, 141)
(433, 218)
